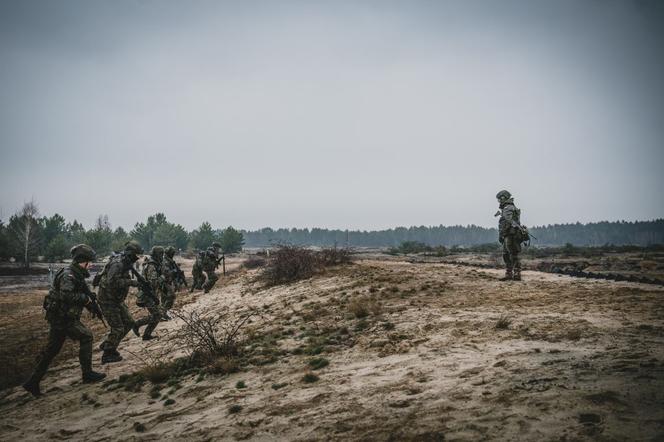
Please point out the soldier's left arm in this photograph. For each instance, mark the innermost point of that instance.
(70, 290)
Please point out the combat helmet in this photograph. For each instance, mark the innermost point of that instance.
(503, 195)
(83, 253)
(157, 251)
(216, 245)
(133, 248)
(170, 251)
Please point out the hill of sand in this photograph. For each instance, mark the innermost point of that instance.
(443, 353)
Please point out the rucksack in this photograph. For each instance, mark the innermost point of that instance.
(53, 306)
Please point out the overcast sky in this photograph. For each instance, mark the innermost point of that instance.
(338, 114)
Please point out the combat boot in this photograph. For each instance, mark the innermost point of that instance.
(508, 276)
(93, 376)
(136, 329)
(517, 275)
(110, 356)
(149, 337)
(32, 388)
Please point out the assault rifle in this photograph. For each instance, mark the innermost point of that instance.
(178, 275)
(145, 286)
(93, 305)
(221, 261)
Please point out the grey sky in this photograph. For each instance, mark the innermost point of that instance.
(332, 114)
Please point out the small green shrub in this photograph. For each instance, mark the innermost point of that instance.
(309, 378)
(318, 363)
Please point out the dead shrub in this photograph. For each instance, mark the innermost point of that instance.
(223, 365)
(503, 323)
(207, 338)
(358, 308)
(159, 373)
(334, 256)
(289, 263)
(361, 306)
(254, 262)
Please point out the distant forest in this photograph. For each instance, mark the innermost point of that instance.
(29, 235)
(592, 234)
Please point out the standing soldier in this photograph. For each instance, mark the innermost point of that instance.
(509, 235)
(207, 262)
(68, 295)
(152, 272)
(173, 277)
(113, 289)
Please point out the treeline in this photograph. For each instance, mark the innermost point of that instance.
(27, 236)
(641, 233)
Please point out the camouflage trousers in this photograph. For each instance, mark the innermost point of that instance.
(511, 250)
(152, 319)
(211, 280)
(119, 320)
(168, 296)
(75, 331)
(199, 278)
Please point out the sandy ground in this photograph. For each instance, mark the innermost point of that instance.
(572, 359)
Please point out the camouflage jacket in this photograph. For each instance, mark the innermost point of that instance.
(152, 272)
(115, 280)
(169, 269)
(67, 297)
(207, 260)
(510, 219)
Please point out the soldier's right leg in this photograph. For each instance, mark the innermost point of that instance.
(56, 337)
(127, 320)
(79, 332)
(212, 279)
(197, 274)
(507, 257)
(153, 321)
(120, 322)
(114, 319)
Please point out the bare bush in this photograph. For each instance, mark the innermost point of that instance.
(207, 338)
(361, 306)
(503, 323)
(254, 262)
(289, 263)
(334, 256)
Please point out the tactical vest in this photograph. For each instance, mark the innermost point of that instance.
(55, 308)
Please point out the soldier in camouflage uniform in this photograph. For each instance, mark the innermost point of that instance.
(152, 272)
(113, 289)
(207, 262)
(64, 304)
(170, 270)
(509, 235)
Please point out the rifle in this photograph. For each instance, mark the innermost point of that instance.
(93, 305)
(221, 261)
(178, 275)
(146, 287)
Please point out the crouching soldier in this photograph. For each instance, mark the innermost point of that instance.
(207, 262)
(68, 296)
(113, 289)
(152, 272)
